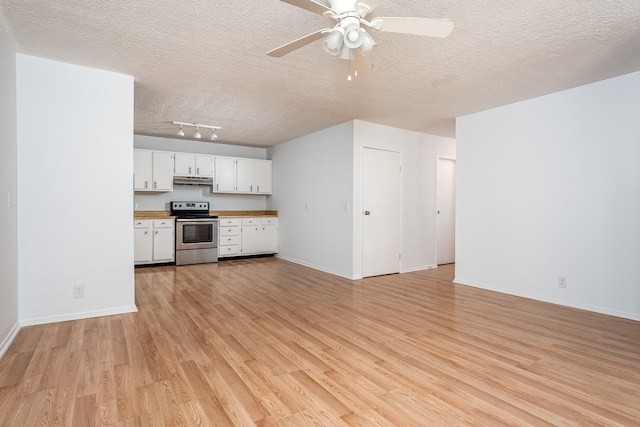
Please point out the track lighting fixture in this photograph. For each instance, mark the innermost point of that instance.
(198, 135)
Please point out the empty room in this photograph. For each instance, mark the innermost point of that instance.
(319, 213)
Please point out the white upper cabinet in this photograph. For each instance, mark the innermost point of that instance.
(262, 176)
(142, 170)
(244, 176)
(186, 164)
(204, 165)
(162, 171)
(153, 170)
(253, 176)
(225, 175)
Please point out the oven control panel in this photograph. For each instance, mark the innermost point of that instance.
(189, 206)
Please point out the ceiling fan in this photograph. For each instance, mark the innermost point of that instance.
(348, 39)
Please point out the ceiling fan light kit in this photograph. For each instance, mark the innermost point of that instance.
(197, 134)
(348, 39)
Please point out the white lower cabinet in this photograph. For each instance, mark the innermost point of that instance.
(154, 241)
(247, 236)
(141, 241)
(229, 237)
(250, 233)
(268, 235)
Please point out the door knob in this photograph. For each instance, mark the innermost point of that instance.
(367, 213)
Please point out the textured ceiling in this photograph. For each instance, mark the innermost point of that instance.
(204, 61)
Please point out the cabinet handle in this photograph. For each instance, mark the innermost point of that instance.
(251, 188)
(146, 232)
(156, 231)
(217, 186)
(146, 184)
(197, 171)
(155, 184)
(189, 169)
(257, 188)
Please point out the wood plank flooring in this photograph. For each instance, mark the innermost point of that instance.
(265, 342)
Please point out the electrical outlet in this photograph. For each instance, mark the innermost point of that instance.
(78, 291)
(562, 282)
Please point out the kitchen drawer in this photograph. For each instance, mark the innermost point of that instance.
(142, 223)
(224, 251)
(250, 221)
(268, 221)
(229, 222)
(229, 231)
(229, 240)
(163, 223)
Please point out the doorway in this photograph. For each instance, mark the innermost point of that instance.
(446, 211)
(381, 224)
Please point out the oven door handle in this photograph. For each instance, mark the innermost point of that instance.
(196, 220)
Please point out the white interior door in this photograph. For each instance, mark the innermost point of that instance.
(381, 231)
(446, 211)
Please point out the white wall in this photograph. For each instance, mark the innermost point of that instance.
(549, 187)
(324, 170)
(316, 170)
(419, 153)
(160, 201)
(8, 192)
(75, 162)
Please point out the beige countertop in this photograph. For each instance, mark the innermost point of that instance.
(220, 214)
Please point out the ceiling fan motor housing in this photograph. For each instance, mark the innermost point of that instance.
(348, 38)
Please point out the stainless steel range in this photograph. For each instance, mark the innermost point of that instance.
(196, 233)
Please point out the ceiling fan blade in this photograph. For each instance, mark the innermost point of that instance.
(431, 27)
(298, 43)
(310, 5)
(366, 6)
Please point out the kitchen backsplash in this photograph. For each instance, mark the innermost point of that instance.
(160, 201)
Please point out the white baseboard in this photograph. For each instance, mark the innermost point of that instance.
(346, 276)
(6, 342)
(77, 316)
(315, 267)
(420, 268)
(587, 307)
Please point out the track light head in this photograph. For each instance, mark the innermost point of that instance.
(197, 135)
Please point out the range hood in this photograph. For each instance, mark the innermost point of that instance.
(192, 180)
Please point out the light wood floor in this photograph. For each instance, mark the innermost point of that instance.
(265, 342)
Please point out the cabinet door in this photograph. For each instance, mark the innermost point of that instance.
(244, 175)
(141, 245)
(162, 171)
(224, 175)
(142, 170)
(269, 239)
(249, 239)
(204, 165)
(262, 175)
(183, 164)
(163, 244)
